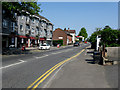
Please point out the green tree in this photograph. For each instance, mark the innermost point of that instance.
(17, 7)
(83, 33)
(92, 38)
(109, 37)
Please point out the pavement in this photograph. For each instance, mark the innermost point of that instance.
(81, 72)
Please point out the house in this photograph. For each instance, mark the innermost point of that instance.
(73, 33)
(60, 34)
(26, 30)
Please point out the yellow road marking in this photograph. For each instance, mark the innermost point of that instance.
(47, 73)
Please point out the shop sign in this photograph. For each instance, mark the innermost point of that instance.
(60, 37)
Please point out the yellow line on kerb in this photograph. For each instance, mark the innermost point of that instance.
(47, 73)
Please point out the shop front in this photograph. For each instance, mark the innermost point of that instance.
(42, 41)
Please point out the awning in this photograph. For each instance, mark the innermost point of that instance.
(42, 39)
(32, 38)
(22, 36)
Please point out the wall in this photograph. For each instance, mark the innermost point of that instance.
(113, 53)
(73, 37)
(60, 33)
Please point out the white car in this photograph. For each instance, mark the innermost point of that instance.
(44, 46)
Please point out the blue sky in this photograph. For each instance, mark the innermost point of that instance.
(75, 15)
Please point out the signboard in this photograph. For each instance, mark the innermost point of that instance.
(60, 37)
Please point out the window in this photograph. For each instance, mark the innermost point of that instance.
(33, 20)
(27, 26)
(13, 26)
(37, 21)
(3, 11)
(21, 27)
(5, 23)
(32, 30)
(22, 17)
(37, 29)
(42, 24)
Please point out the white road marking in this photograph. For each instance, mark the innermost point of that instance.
(41, 56)
(21, 61)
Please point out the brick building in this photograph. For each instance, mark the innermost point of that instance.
(60, 34)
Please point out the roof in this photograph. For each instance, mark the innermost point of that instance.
(42, 17)
(64, 31)
(71, 31)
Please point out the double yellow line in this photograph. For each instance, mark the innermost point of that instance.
(37, 82)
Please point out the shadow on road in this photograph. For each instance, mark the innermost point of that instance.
(90, 61)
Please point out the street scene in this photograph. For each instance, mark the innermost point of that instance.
(59, 45)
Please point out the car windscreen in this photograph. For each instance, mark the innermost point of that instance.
(43, 45)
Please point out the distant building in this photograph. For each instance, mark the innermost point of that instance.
(60, 34)
(73, 33)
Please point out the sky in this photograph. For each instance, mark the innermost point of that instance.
(75, 15)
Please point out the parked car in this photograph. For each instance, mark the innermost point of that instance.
(44, 46)
(76, 44)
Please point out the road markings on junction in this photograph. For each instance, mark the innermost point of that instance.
(37, 82)
(21, 61)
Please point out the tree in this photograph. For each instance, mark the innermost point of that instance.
(17, 7)
(83, 33)
(109, 37)
(92, 38)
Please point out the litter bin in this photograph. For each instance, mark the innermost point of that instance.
(96, 57)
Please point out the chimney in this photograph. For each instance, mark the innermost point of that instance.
(64, 29)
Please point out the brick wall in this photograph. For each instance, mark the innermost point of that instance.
(59, 34)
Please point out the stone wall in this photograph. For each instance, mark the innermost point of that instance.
(113, 53)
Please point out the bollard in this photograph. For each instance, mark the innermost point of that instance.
(58, 46)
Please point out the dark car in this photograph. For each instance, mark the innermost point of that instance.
(76, 44)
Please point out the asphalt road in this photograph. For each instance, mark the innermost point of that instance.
(21, 71)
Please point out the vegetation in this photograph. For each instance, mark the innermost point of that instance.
(83, 33)
(109, 37)
(55, 42)
(17, 7)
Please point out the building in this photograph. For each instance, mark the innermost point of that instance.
(60, 34)
(29, 30)
(73, 33)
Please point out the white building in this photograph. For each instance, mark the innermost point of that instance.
(73, 33)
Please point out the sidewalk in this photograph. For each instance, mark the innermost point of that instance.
(82, 73)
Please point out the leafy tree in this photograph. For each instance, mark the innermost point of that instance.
(92, 38)
(109, 37)
(17, 7)
(83, 33)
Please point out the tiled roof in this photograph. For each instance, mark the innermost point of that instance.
(71, 31)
